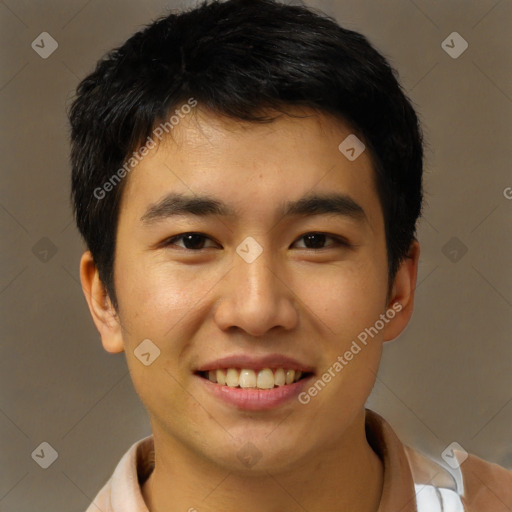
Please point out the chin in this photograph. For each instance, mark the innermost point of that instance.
(259, 453)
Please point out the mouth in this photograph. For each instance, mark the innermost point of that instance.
(254, 383)
(249, 378)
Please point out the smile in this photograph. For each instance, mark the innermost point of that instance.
(254, 383)
(248, 378)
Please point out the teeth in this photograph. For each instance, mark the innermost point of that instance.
(248, 378)
(221, 377)
(279, 377)
(232, 378)
(265, 379)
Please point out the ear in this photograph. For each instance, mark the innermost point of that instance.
(102, 311)
(402, 293)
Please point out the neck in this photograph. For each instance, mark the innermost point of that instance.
(344, 475)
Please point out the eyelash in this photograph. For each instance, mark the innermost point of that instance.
(339, 241)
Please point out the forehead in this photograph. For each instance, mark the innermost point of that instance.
(260, 165)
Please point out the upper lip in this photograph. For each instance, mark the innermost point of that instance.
(243, 361)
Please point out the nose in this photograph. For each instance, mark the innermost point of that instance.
(256, 297)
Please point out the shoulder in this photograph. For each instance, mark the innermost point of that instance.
(487, 486)
(472, 485)
(122, 492)
(102, 500)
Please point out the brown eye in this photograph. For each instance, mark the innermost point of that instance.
(190, 241)
(318, 241)
(314, 240)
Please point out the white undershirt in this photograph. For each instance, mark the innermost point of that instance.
(437, 499)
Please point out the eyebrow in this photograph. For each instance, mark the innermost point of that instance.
(312, 204)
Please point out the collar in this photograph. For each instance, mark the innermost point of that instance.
(398, 492)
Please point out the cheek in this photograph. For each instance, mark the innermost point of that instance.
(163, 304)
(346, 298)
(156, 297)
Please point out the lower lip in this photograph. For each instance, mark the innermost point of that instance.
(256, 399)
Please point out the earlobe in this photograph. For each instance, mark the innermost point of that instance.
(102, 311)
(402, 295)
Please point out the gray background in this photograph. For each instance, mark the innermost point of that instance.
(448, 377)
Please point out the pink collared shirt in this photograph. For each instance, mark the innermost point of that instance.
(412, 482)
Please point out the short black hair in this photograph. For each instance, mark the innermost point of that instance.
(241, 59)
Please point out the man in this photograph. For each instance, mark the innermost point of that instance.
(247, 177)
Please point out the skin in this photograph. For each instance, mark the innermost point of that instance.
(306, 303)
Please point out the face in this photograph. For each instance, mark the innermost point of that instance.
(271, 275)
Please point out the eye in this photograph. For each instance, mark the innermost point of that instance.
(318, 240)
(191, 241)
